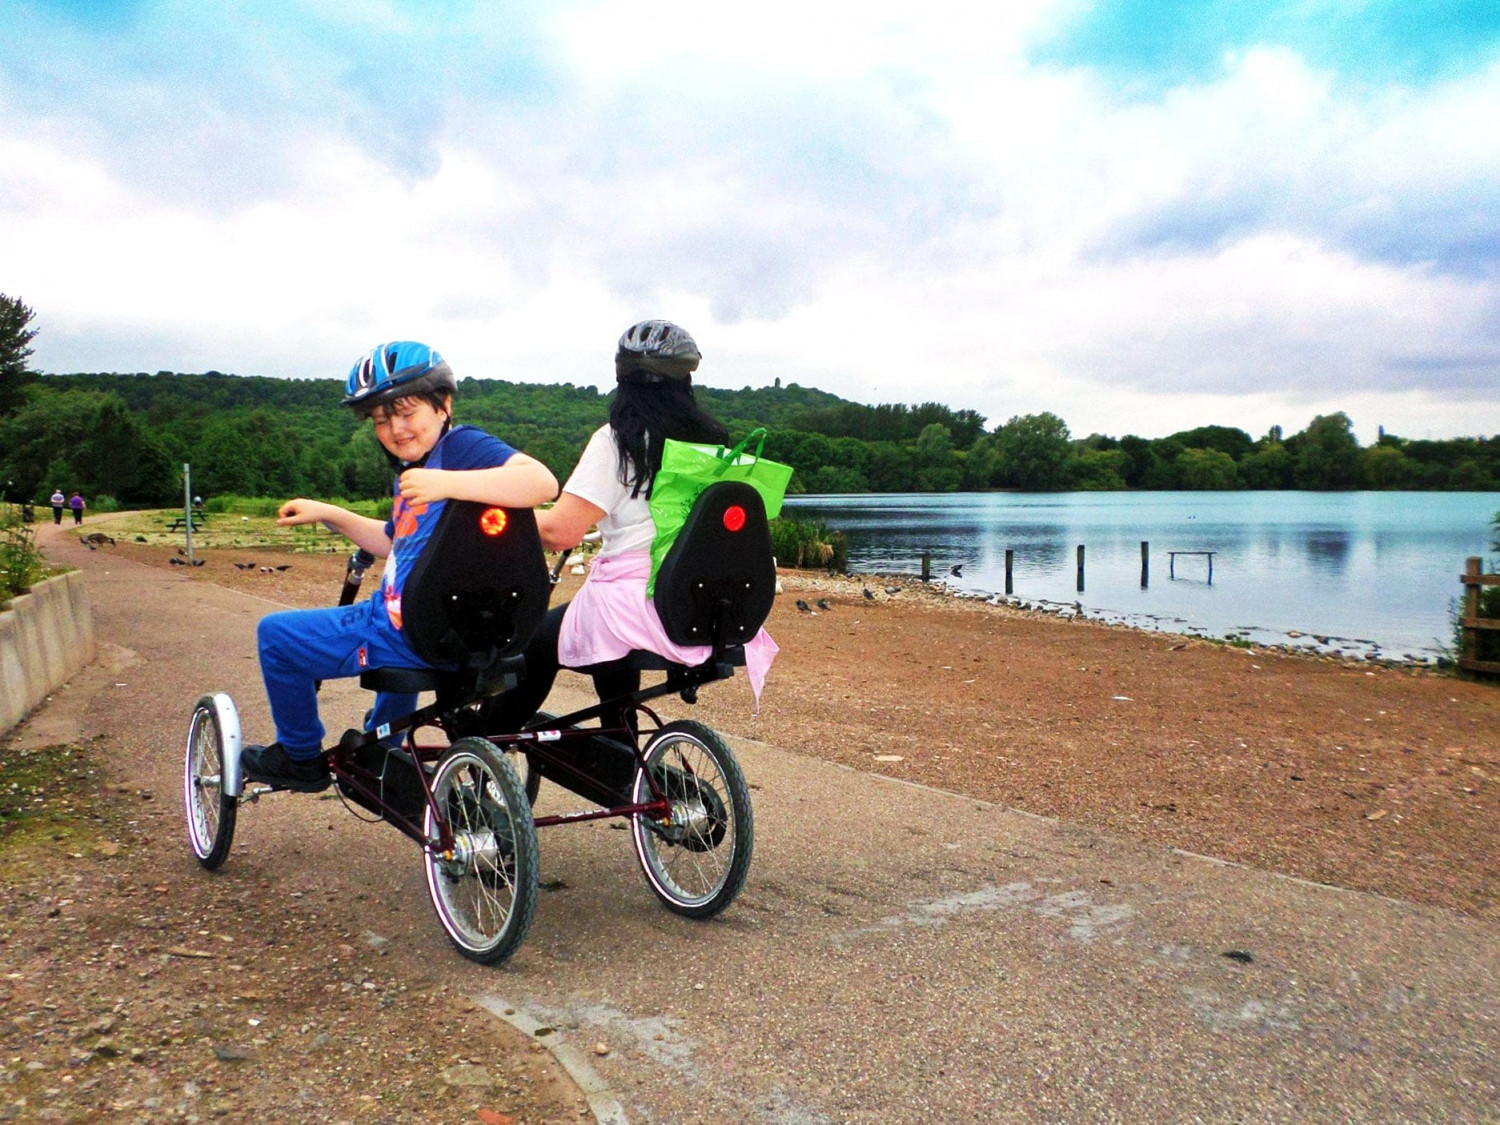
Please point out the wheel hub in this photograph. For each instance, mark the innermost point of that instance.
(473, 850)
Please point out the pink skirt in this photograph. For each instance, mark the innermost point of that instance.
(611, 616)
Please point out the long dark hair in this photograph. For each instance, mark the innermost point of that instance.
(647, 410)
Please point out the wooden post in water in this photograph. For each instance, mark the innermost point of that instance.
(1010, 563)
(1468, 648)
(1145, 564)
(926, 566)
(1080, 568)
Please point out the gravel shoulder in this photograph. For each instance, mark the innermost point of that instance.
(1377, 778)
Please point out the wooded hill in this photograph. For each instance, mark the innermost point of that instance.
(126, 436)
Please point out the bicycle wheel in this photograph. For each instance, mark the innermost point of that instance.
(696, 860)
(484, 891)
(210, 811)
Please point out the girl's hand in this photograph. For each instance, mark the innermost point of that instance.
(424, 486)
(296, 512)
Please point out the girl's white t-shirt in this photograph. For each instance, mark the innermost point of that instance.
(626, 524)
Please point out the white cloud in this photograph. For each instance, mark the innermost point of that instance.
(864, 199)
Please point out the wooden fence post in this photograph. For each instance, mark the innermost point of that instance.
(1080, 568)
(1010, 563)
(1145, 564)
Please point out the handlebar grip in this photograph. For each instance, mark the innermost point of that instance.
(354, 574)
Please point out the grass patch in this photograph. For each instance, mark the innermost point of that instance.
(47, 802)
(225, 531)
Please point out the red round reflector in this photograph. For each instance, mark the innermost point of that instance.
(492, 521)
(734, 517)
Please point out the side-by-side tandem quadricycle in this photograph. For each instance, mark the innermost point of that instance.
(464, 794)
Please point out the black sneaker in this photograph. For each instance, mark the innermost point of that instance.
(271, 765)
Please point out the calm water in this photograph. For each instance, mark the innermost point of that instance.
(1366, 570)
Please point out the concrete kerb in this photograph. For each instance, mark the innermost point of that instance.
(606, 1110)
(46, 637)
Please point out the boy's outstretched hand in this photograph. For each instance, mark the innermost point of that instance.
(296, 512)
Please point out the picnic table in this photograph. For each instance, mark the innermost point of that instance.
(199, 519)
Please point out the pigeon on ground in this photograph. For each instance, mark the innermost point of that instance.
(268, 570)
(244, 566)
(868, 595)
(175, 561)
(199, 562)
(803, 607)
(893, 590)
(823, 604)
(284, 566)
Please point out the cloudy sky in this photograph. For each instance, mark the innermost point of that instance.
(1142, 215)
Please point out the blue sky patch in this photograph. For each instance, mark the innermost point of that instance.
(1156, 44)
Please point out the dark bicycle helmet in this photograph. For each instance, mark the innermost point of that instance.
(397, 370)
(656, 347)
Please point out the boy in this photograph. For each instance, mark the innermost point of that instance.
(406, 390)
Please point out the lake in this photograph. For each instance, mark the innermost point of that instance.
(1354, 572)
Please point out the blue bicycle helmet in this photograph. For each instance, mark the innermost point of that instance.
(396, 370)
(656, 348)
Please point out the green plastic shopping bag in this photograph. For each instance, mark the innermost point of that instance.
(687, 469)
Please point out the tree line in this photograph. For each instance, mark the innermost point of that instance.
(126, 436)
(1036, 453)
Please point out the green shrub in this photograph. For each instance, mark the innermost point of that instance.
(808, 544)
(21, 564)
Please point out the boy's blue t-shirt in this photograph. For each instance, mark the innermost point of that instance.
(411, 526)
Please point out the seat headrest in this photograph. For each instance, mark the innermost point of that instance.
(717, 583)
(479, 588)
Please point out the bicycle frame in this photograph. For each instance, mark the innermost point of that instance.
(547, 742)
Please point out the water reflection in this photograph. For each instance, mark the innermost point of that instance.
(1328, 550)
(1379, 566)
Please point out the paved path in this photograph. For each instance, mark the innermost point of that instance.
(898, 954)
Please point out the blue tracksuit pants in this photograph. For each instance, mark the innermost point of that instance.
(299, 647)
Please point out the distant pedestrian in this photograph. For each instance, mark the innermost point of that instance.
(57, 502)
(76, 503)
